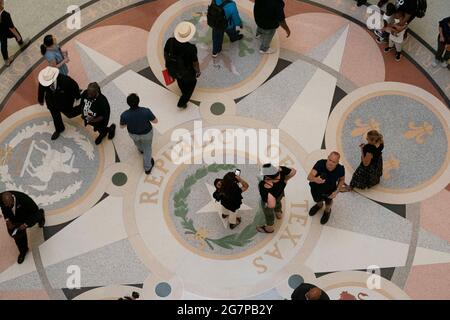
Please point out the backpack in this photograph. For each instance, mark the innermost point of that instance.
(216, 15)
(175, 63)
(421, 8)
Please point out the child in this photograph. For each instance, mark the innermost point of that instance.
(388, 18)
(396, 38)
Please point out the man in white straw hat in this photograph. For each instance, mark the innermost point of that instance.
(271, 189)
(61, 94)
(182, 61)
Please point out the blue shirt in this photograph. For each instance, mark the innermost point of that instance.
(57, 56)
(231, 13)
(137, 120)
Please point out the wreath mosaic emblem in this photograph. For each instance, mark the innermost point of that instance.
(201, 235)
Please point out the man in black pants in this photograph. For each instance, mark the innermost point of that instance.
(61, 94)
(7, 31)
(326, 179)
(96, 112)
(20, 212)
(182, 61)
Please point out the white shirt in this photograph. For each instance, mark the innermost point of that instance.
(398, 37)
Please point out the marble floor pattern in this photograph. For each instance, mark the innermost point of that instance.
(162, 235)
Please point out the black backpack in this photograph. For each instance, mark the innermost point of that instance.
(175, 63)
(216, 15)
(421, 8)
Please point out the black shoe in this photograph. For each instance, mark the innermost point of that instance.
(100, 138)
(21, 257)
(55, 135)
(238, 221)
(361, 2)
(183, 106)
(42, 222)
(147, 172)
(239, 37)
(314, 209)
(387, 49)
(398, 56)
(325, 217)
(111, 131)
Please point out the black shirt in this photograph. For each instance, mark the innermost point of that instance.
(407, 6)
(5, 22)
(331, 177)
(92, 108)
(187, 51)
(299, 293)
(376, 152)
(445, 29)
(231, 201)
(278, 188)
(268, 13)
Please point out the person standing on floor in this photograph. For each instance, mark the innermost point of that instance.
(54, 55)
(370, 170)
(138, 121)
(96, 111)
(7, 31)
(326, 179)
(182, 61)
(61, 94)
(271, 189)
(20, 213)
(269, 15)
(229, 193)
(396, 38)
(223, 16)
(443, 51)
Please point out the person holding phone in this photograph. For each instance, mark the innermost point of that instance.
(271, 189)
(326, 178)
(229, 193)
(55, 55)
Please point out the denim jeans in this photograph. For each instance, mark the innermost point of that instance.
(217, 38)
(266, 37)
(144, 144)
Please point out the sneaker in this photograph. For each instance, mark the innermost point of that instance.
(21, 257)
(435, 63)
(378, 33)
(55, 135)
(147, 172)
(387, 49)
(100, 138)
(8, 62)
(111, 131)
(314, 209)
(325, 217)
(380, 40)
(268, 51)
(444, 64)
(215, 55)
(398, 56)
(239, 37)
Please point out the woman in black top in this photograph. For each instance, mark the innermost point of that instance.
(229, 194)
(271, 190)
(369, 172)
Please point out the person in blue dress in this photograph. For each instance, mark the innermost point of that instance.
(55, 56)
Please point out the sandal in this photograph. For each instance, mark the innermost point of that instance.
(263, 229)
(238, 221)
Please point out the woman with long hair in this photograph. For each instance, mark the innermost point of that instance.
(229, 193)
(370, 170)
(55, 56)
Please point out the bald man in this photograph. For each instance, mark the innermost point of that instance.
(307, 291)
(20, 212)
(326, 179)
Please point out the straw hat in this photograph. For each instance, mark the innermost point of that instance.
(184, 31)
(48, 76)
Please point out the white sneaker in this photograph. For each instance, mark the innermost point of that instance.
(435, 63)
(268, 51)
(444, 64)
(215, 55)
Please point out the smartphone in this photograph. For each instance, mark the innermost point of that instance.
(237, 172)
